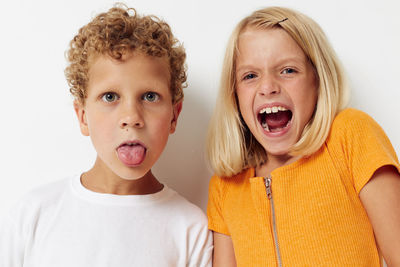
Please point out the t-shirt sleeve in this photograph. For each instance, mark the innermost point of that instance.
(12, 239)
(365, 146)
(203, 248)
(215, 216)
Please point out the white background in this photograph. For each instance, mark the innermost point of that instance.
(40, 140)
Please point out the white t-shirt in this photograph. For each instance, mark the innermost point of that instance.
(65, 224)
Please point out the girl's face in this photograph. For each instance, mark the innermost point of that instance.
(276, 87)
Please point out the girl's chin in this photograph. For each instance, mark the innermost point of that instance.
(278, 148)
(278, 152)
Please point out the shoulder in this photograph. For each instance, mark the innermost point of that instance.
(25, 214)
(355, 135)
(354, 124)
(351, 116)
(354, 130)
(183, 210)
(221, 185)
(39, 200)
(359, 146)
(223, 188)
(47, 193)
(354, 118)
(188, 222)
(237, 179)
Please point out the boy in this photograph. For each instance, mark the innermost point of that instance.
(126, 74)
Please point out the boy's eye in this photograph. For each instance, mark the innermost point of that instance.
(288, 71)
(151, 97)
(110, 97)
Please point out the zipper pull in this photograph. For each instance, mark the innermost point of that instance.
(268, 182)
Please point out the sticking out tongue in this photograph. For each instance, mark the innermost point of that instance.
(131, 154)
(278, 120)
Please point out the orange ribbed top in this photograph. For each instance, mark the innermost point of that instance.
(320, 220)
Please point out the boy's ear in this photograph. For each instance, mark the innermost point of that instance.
(80, 113)
(177, 110)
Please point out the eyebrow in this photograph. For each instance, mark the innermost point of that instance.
(281, 61)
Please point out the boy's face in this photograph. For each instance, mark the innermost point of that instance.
(128, 113)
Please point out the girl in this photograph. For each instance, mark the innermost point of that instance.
(300, 181)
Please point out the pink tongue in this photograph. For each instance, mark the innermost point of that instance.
(131, 155)
(277, 120)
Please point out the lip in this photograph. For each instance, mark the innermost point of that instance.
(274, 134)
(135, 142)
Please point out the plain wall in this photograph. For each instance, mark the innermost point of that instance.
(40, 139)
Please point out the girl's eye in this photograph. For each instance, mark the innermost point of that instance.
(110, 97)
(249, 76)
(288, 71)
(151, 97)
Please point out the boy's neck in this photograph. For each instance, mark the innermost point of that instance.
(110, 183)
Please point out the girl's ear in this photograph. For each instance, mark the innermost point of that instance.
(80, 113)
(177, 110)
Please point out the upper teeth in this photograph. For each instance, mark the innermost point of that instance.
(274, 109)
(131, 144)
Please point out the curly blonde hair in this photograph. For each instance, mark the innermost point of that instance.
(118, 31)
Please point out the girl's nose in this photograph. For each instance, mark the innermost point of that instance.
(131, 117)
(269, 86)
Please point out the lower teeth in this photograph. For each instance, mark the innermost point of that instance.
(265, 126)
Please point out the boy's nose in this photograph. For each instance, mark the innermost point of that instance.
(269, 86)
(131, 117)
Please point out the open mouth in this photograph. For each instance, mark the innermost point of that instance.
(274, 119)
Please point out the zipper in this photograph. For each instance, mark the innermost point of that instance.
(268, 183)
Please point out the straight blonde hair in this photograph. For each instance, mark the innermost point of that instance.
(231, 147)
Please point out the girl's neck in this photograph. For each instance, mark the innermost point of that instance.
(274, 162)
